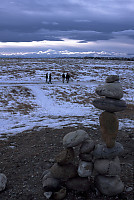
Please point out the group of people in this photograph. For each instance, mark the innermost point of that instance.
(49, 78)
(67, 77)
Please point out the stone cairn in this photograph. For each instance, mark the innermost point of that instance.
(99, 162)
(107, 162)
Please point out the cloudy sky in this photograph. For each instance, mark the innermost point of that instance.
(70, 27)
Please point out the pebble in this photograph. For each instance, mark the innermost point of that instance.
(109, 185)
(3, 181)
(110, 105)
(112, 78)
(111, 90)
(48, 194)
(75, 138)
(60, 194)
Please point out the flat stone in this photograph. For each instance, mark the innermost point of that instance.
(85, 169)
(78, 184)
(108, 167)
(86, 157)
(63, 172)
(65, 157)
(101, 151)
(87, 146)
(110, 105)
(111, 90)
(109, 128)
(60, 194)
(3, 181)
(112, 78)
(75, 138)
(109, 185)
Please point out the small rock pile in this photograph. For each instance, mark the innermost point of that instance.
(99, 162)
(65, 174)
(107, 163)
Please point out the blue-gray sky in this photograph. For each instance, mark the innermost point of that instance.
(54, 27)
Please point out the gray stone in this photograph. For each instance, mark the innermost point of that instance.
(111, 90)
(108, 167)
(85, 169)
(112, 78)
(86, 157)
(101, 151)
(63, 172)
(65, 157)
(75, 138)
(109, 128)
(48, 194)
(110, 105)
(50, 183)
(78, 184)
(3, 181)
(109, 185)
(87, 146)
(60, 194)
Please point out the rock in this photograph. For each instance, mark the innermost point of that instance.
(75, 138)
(129, 189)
(49, 182)
(109, 127)
(3, 181)
(87, 146)
(63, 171)
(101, 151)
(110, 105)
(85, 169)
(111, 90)
(78, 184)
(112, 78)
(108, 167)
(65, 157)
(109, 185)
(48, 194)
(60, 194)
(85, 157)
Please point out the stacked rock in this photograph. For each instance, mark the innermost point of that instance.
(107, 163)
(65, 173)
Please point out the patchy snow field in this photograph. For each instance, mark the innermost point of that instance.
(27, 101)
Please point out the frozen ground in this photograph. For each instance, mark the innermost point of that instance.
(27, 102)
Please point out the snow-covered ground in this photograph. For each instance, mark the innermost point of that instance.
(26, 101)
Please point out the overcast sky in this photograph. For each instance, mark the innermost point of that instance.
(103, 27)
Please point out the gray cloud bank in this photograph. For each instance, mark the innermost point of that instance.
(38, 20)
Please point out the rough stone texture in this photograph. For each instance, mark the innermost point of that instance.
(85, 169)
(3, 181)
(75, 138)
(109, 127)
(111, 90)
(50, 184)
(112, 78)
(63, 171)
(65, 157)
(60, 194)
(78, 184)
(86, 157)
(109, 185)
(110, 105)
(101, 151)
(87, 146)
(108, 167)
